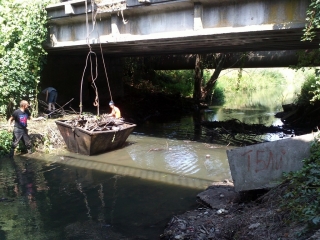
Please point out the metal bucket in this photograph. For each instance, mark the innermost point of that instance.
(86, 142)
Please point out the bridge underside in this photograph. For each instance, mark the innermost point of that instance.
(233, 42)
(168, 27)
(179, 27)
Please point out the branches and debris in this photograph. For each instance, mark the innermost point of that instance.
(95, 123)
(238, 133)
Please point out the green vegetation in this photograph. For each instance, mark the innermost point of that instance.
(255, 79)
(164, 81)
(175, 82)
(313, 21)
(257, 87)
(309, 90)
(23, 30)
(302, 197)
(312, 86)
(139, 74)
(5, 142)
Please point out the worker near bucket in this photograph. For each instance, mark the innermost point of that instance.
(20, 131)
(115, 112)
(51, 97)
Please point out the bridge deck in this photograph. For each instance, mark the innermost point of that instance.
(179, 26)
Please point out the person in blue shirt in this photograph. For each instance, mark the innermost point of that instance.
(51, 97)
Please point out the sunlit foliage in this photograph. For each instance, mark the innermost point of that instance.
(311, 88)
(258, 85)
(302, 198)
(308, 90)
(5, 142)
(23, 30)
(313, 21)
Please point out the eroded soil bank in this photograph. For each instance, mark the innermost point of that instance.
(224, 214)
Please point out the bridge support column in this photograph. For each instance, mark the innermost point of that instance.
(114, 25)
(198, 15)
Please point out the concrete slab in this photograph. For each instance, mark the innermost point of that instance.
(262, 165)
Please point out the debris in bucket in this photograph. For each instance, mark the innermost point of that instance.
(97, 123)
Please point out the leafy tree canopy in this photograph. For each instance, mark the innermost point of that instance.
(311, 89)
(313, 21)
(23, 30)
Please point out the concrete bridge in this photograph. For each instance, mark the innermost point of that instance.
(160, 27)
(141, 27)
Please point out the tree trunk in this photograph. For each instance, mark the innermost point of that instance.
(198, 79)
(207, 90)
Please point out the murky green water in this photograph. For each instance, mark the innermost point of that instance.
(130, 193)
(42, 200)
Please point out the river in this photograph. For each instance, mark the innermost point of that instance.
(133, 192)
(129, 193)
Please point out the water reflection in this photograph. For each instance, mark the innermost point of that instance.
(245, 115)
(21, 186)
(79, 203)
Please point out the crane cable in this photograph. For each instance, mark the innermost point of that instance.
(105, 70)
(89, 56)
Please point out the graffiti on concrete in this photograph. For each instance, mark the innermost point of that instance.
(261, 160)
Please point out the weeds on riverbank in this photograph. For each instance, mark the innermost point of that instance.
(5, 142)
(302, 197)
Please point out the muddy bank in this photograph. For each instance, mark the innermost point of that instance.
(225, 214)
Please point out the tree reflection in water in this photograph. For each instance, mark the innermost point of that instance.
(19, 214)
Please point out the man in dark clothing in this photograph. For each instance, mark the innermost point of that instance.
(20, 131)
(51, 97)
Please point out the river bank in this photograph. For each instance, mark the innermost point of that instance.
(224, 214)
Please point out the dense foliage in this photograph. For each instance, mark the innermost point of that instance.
(230, 88)
(175, 82)
(313, 21)
(250, 80)
(139, 74)
(166, 81)
(311, 57)
(302, 198)
(308, 91)
(5, 142)
(23, 30)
